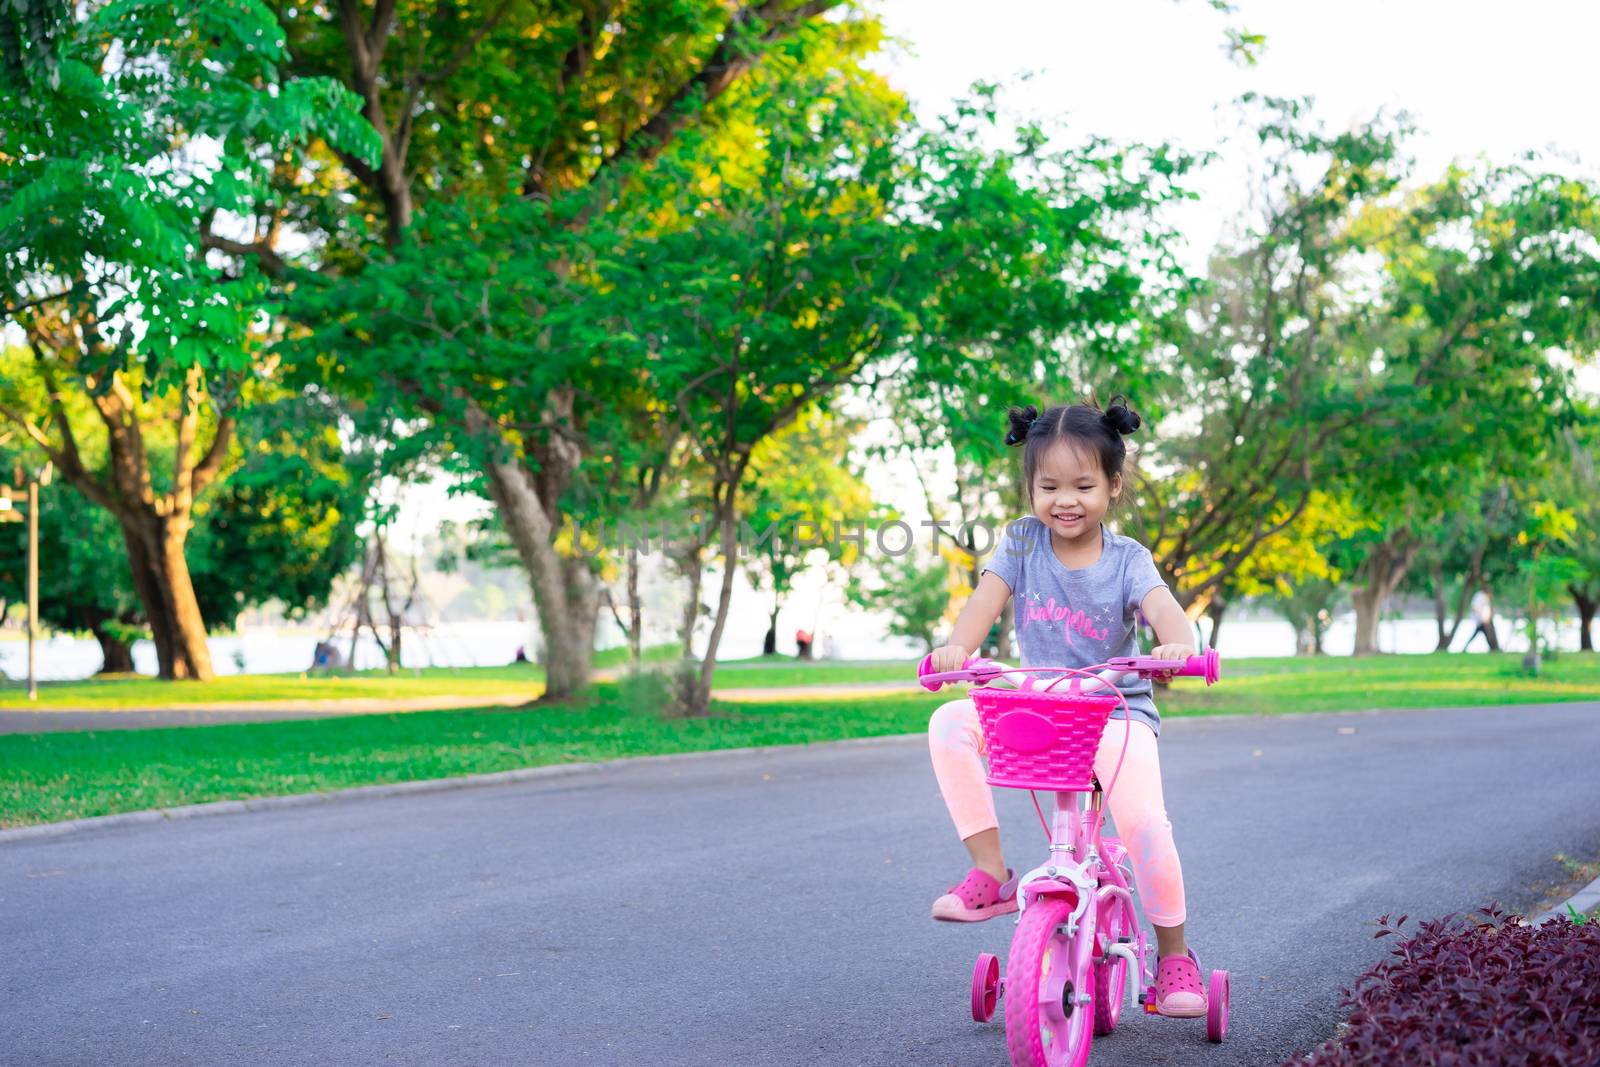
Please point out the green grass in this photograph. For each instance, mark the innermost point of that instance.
(53, 776)
(1443, 679)
(131, 692)
(526, 680)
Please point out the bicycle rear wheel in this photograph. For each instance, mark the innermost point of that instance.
(1049, 1005)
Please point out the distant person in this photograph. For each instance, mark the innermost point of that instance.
(802, 640)
(1483, 612)
(326, 657)
(830, 650)
(522, 655)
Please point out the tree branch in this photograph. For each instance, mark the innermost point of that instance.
(719, 71)
(58, 411)
(366, 46)
(270, 261)
(211, 463)
(13, 311)
(422, 79)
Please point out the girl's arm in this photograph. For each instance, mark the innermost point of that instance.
(1170, 623)
(972, 626)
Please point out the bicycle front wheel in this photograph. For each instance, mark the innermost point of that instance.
(1049, 995)
(1110, 979)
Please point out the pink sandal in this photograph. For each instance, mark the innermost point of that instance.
(980, 896)
(1179, 991)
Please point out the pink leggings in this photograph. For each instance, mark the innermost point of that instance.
(956, 741)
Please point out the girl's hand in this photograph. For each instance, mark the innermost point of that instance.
(948, 658)
(1176, 652)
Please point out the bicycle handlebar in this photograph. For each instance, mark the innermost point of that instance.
(1207, 665)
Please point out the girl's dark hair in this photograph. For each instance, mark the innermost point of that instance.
(1080, 424)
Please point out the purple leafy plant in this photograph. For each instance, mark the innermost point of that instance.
(1480, 991)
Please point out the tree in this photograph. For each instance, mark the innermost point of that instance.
(1309, 606)
(915, 594)
(84, 584)
(781, 284)
(109, 213)
(1544, 572)
(1261, 360)
(280, 529)
(802, 481)
(1459, 553)
(283, 526)
(1574, 487)
(1063, 299)
(1394, 389)
(1293, 566)
(1486, 273)
(510, 140)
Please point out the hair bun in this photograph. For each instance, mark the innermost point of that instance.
(1120, 417)
(1022, 420)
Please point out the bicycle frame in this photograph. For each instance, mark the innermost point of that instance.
(1075, 824)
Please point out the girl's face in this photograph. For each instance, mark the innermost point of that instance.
(1071, 493)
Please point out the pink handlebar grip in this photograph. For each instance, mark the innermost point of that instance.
(976, 668)
(1207, 665)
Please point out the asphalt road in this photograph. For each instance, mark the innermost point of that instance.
(767, 908)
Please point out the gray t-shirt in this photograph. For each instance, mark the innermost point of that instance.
(1078, 617)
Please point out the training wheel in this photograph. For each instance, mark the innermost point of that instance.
(1217, 1006)
(985, 987)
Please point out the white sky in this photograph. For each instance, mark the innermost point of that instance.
(1476, 77)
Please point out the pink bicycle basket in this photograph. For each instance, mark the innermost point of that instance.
(1040, 739)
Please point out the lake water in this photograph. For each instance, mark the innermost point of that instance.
(857, 635)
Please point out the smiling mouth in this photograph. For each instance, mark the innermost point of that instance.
(1068, 518)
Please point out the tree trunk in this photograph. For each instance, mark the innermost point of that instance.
(769, 647)
(693, 567)
(566, 593)
(725, 512)
(635, 615)
(115, 656)
(147, 588)
(1586, 609)
(1215, 610)
(166, 593)
(1386, 564)
(1368, 601)
(1440, 610)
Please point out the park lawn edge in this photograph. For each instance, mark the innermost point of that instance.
(1331, 676)
(67, 775)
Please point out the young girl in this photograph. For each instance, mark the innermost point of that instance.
(1076, 586)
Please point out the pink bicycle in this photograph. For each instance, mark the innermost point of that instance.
(1078, 952)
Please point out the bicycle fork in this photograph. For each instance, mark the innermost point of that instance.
(1074, 836)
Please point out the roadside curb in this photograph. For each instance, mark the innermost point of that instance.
(426, 785)
(1584, 900)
